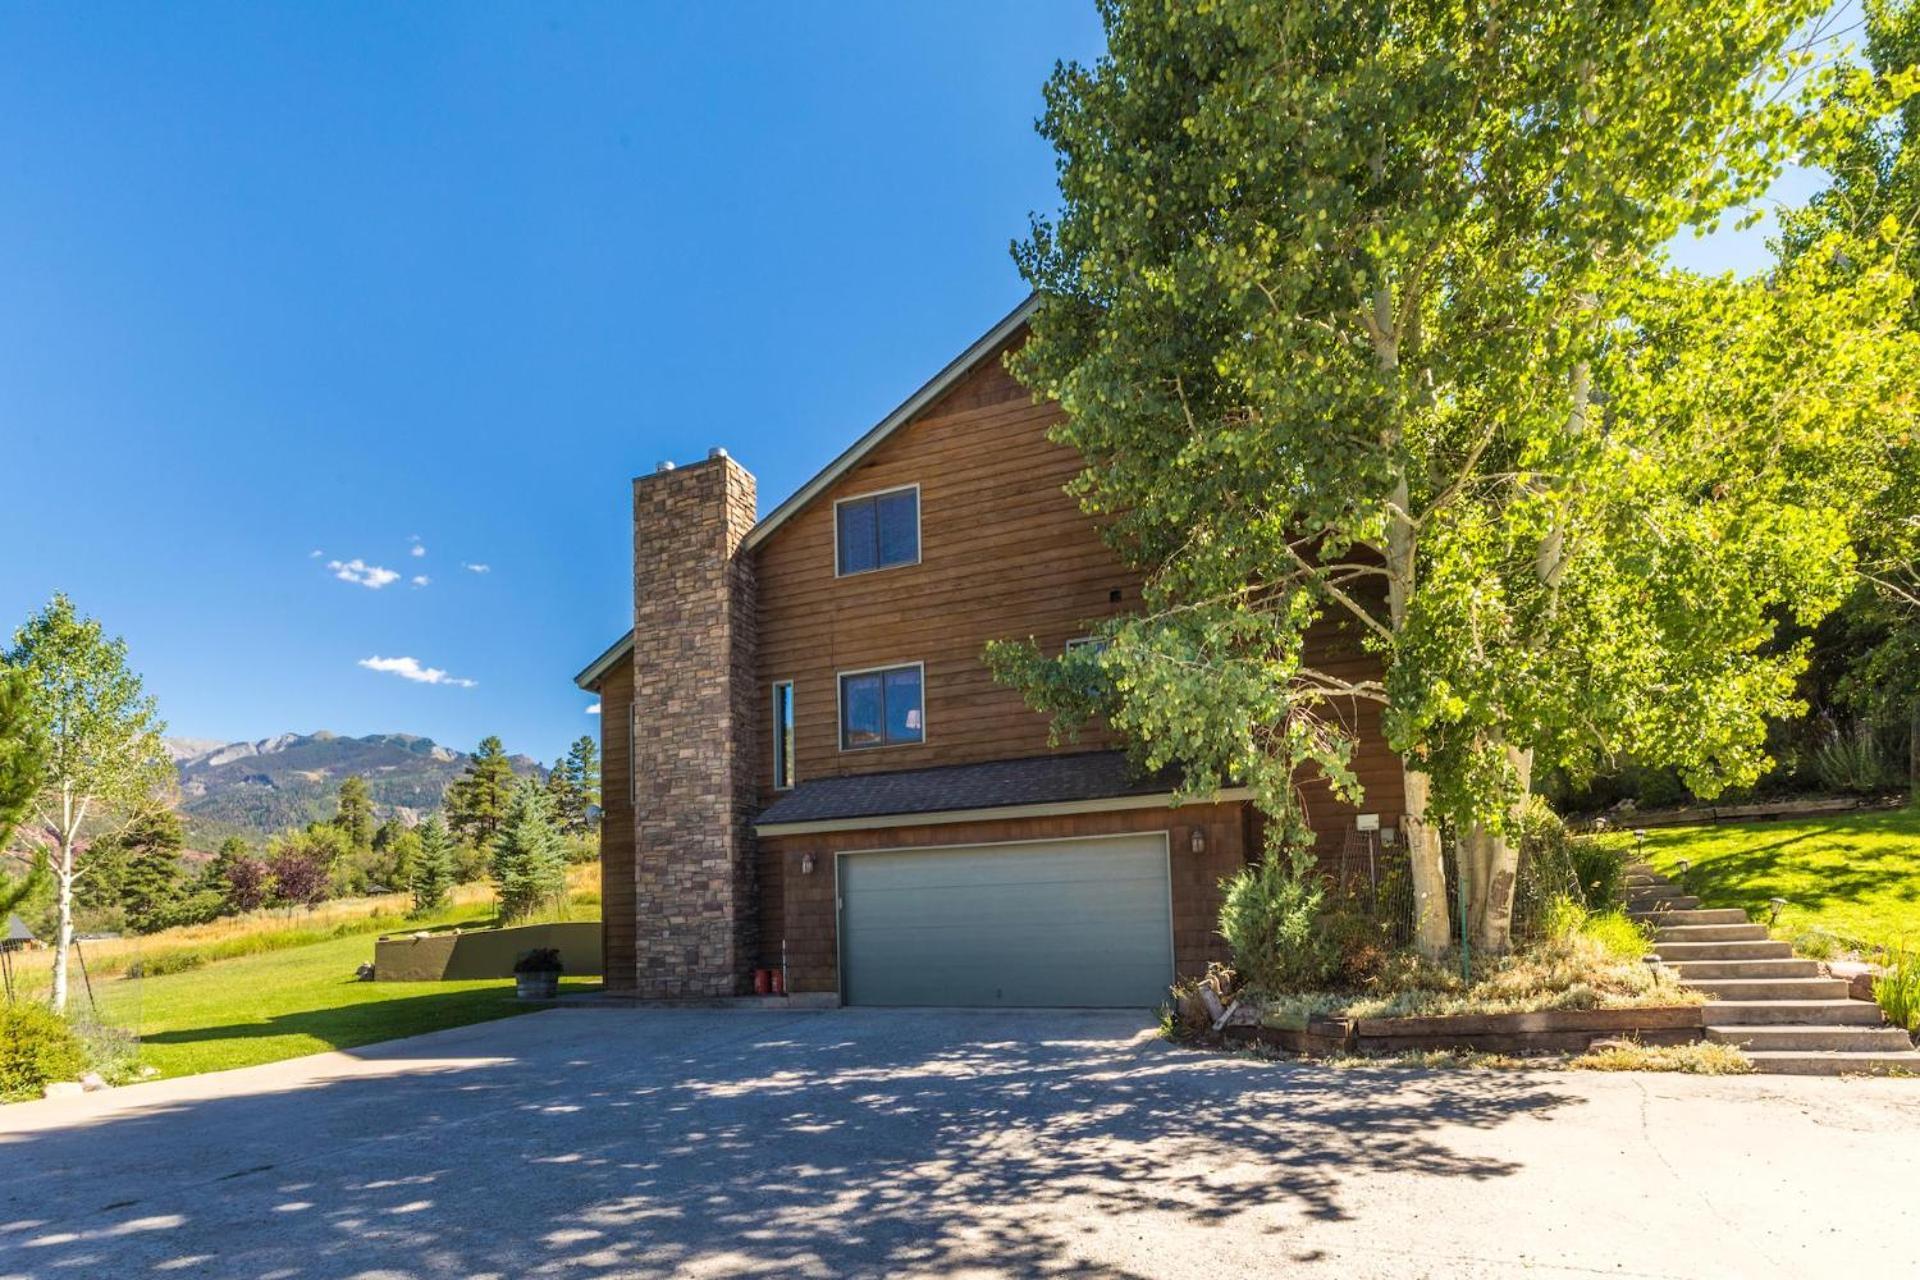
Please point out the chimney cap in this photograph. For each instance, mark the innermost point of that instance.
(665, 464)
(716, 453)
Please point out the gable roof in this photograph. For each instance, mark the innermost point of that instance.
(989, 342)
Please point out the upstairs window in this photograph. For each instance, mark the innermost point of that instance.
(877, 531)
(881, 708)
(783, 734)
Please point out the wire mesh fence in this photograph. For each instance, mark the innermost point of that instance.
(1375, 880)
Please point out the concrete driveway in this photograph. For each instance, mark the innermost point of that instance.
(584, 1142)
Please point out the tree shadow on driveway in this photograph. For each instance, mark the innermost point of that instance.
(674, 1142)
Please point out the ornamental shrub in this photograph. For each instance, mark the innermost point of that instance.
(37, 1047)
(1269, 915)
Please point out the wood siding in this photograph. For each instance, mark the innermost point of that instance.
(616, 830)
(812, 953)
(1004, 554)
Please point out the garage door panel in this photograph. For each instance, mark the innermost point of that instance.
(1067, 923)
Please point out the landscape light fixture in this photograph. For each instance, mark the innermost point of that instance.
(1778, 905)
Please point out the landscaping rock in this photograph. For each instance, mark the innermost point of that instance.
(1859, 976)
(63, 1089)
(92, 1083)
(364, 973)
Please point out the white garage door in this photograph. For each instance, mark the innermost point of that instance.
(1052, 924)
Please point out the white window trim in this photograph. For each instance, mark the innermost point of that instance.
(919, 548)
(793, 772)
(840, 707)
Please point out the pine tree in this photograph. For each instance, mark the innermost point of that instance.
(432, 870)
(529, 864)
(23, 751)
(563, 802)
(150, 872)
(218, 875)
(355, 817)
(477, 800)
(583, 776)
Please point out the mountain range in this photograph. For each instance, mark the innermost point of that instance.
(256, 788)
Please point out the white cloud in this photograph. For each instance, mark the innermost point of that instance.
(418, 550)
(421, 579)
(315, 554)
(476, 568)
(594, 710)
(367, 575)
(410, 669)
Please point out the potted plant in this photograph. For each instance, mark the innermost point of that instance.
(536, 974)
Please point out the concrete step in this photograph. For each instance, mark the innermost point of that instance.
(1664, 903)
(1735, 989)
(1789, 1062)
(1711, 933)
(1774, 1013)
(1690, 970)
(1765, 949)
(1808, 1039)
(1707, 915)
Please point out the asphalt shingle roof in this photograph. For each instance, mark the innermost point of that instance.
(1092, 775)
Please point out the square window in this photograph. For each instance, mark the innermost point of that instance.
(877, 531)
(882, 708)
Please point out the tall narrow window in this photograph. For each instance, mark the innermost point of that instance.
(881, 708)
(877, 530)
(783, 734)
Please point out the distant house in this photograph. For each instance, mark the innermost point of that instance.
(18, 936)
(809, 769)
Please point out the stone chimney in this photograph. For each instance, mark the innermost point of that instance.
(693, 753)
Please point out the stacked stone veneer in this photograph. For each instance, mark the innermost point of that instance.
(693, 751)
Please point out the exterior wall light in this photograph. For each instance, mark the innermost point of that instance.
(806, 864)
(1197, 840)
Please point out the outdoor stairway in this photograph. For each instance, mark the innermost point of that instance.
(1778, 1009)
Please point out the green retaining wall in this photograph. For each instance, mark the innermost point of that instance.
(484, 953)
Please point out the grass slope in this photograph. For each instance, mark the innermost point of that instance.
(268, 986)
(1855, 877)
(281, 1004)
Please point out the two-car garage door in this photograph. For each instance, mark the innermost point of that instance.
(1047, 923)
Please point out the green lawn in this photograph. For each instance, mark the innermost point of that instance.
(281, 1004)
(1855, 877)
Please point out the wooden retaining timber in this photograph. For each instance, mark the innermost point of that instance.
(1760, 811)
(1545, 1031)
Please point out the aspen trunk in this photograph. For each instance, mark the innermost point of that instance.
(63, 936)
(1496, 867)
(1428, 871)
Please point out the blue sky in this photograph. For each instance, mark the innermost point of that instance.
(419, 288)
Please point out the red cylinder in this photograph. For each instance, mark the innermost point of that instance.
(779, 982)
(762, 981)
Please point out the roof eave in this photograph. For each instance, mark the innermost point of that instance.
(940, 383)
(590, 678)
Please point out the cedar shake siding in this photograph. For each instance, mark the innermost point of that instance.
(616, 831)
(1004, 554)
